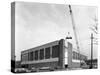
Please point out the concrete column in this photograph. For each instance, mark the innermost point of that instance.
(69, 55)
(61, 53)
(51, 52)
(44, 53)
(38, 54)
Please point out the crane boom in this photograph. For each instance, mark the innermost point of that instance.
(74, 29)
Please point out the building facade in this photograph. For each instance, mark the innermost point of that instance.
(53, 55)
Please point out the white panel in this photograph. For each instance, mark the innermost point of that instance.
(66, 60)
(40, 61)
(66, 52)
(73, 60)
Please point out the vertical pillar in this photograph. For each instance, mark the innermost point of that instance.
(61, 53)
(44, 53)
(69, 55)
(38, 54)
(51, 52)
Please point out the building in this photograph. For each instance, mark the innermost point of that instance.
(55, 55)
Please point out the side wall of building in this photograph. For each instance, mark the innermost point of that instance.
(53, 61)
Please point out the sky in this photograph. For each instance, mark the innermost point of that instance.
(40, 23)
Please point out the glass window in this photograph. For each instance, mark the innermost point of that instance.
(73, 55)
(55, 51)
(41, 54)
(47, 53)
(76, 55)
(31, 56)
(36, 55)
(25, 57)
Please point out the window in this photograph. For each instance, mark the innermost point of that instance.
(78, 56)
(41, 54)
(55, 51)
(73, 55)
(36, 55)
(47, 53)
(25, 57)
(22, 57)
(31, 56)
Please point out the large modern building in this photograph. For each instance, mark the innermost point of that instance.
(55, 55)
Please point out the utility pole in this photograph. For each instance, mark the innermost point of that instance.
(91, 51)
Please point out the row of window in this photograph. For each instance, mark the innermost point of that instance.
(78, 56)
(42, 54)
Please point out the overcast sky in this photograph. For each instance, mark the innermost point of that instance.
(40, 23)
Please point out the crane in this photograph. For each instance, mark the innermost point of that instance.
(74, 29)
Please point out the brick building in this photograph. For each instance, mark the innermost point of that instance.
(53, 55)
